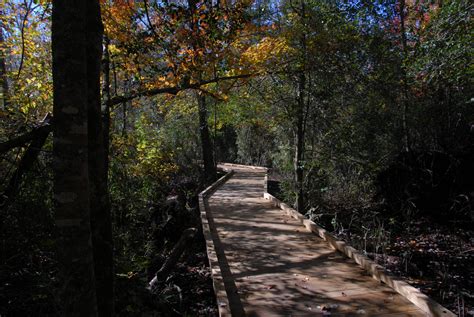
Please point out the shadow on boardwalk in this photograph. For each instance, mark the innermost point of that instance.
(272, 267)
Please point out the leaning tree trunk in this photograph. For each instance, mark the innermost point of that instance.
(26, 162)
(99, 198)
(207, 148)
(76, 294)
(160, 276)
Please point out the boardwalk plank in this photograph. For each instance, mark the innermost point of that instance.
(274, 266)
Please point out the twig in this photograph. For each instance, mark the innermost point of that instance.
(23, 25)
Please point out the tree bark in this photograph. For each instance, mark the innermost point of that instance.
(124, 119)
(206, 144)
(300, 124)
(126, 87)
(107, 96)
(3, 71)
(76, 294)
(299, 143)
(406, 135)
(101, 222)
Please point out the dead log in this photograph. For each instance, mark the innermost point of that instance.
(44, 127)
(26, 162)
(186, 237)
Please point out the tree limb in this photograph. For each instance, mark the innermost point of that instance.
(45, 127)
(26, 162)
(173, 90)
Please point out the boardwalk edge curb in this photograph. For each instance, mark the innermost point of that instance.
(217, 279)
(414, 295)
(254, 167)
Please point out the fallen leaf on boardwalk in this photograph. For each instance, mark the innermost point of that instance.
(326, 311)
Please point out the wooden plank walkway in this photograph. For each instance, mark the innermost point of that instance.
(272, 266)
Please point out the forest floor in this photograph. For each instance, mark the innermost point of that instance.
(434, 256)
(188, 290)
(27, 287)
(28, 273)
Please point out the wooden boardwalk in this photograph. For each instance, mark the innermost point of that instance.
(272, 266)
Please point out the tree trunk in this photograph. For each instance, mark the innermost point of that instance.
(300, 123)
(406, 135)
(77, 295)
(101, 222)
(124, 118)
(126, 85)
(206, 144)
(299, 143)
(107, 96)
(3, 71)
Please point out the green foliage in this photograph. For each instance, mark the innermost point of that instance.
(27, 38)
(445, 54)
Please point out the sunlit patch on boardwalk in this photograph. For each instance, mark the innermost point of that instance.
(272, 266)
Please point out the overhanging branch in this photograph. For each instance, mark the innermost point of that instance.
(173, 90)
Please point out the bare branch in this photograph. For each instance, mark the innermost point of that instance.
(45, 127)
(174, 90)
(23, 25)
